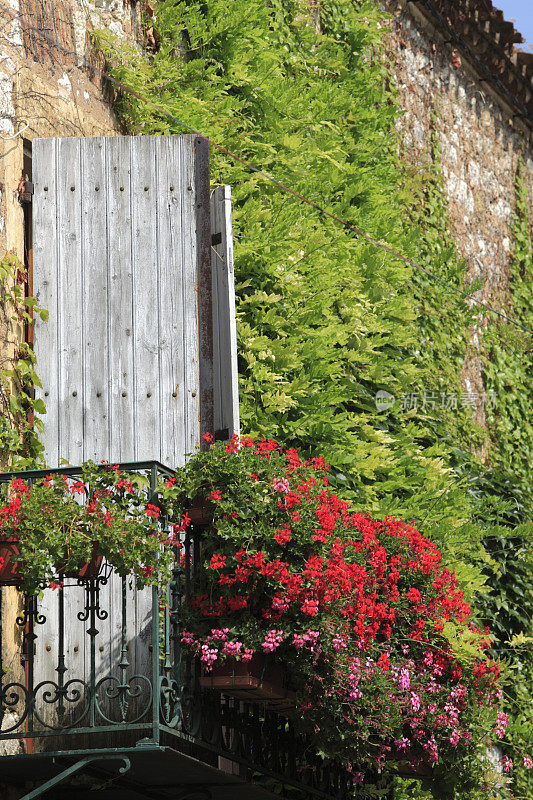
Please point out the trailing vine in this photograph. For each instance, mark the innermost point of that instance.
(20, 447)
(444, 324)
(509, 374)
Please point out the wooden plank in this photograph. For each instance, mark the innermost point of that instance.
(46, 339)
(146, 261)
(70, 294)
(190, 297)
(65, 357)
(173, 314)
(226, 379)
(45, 268)
(121, 304)
(120, 299)
(94, 311)
(146, 306)
(205, 286)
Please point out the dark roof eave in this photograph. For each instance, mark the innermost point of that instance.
(479, 31)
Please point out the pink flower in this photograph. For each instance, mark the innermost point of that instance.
(354, 678)
(415, 701)
(208, 655)
(280, 604)
(528, 763)
(308, 639)
(431, 747)
(403, 743)
(454, 738)
(218, 634)
(501, 723)
(232, 649)
(272, 641)
(281, 485)
(506, 763)
(338, 643)
(404, 681)
(247, 655)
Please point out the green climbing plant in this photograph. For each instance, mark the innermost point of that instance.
(20, 447)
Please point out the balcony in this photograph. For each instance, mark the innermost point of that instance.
(94, 685)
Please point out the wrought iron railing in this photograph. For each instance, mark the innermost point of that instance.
(102, 667)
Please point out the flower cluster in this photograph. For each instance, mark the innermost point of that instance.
(58, 524)
(368, 621)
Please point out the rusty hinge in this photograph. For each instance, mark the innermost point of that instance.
(25, 190)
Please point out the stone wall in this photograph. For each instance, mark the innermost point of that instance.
(48, 87)
(483, 143)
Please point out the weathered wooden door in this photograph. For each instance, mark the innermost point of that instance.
(133, 260)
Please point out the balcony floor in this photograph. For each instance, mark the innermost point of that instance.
(156, 774)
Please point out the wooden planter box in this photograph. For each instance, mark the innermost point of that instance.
(257, 681)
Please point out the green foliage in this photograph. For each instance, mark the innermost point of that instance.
(509, 606)
(444, 322)
(509, 372)
(325, 320)
(19, 429)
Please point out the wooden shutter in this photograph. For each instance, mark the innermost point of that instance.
(121, 228)
(226, 387)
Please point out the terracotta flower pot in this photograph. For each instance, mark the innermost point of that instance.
(87, 569)
(258, 680)
(10, 574)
